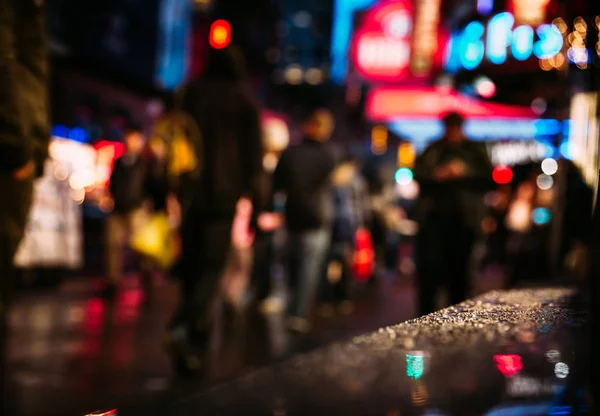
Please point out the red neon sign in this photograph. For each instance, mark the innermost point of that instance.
(387, 103)
(381, 47)
(509, 364)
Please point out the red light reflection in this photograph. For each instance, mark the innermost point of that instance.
(509, 364)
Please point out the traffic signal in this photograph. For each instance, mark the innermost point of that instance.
(379, 140)
(220, 34)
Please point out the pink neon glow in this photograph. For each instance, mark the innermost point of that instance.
(388, 103)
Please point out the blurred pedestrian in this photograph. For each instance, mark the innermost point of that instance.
(351, 213)
(230, 158)
(129, 193)
(24, 137)
(304, 176)
(454, 173)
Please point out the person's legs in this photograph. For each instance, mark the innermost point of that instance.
(205, 250)
(333, 273)
(338, 285)
(293, 255)
(430, 261)
(459, 248)
(116, 230)
(261, 267)
(314, 248)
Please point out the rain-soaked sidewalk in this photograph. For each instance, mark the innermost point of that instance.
(71, 353)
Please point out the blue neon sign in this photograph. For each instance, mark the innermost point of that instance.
(343, 12)
(174, 25)
(494, 41)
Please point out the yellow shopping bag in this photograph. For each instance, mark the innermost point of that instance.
(157, 241)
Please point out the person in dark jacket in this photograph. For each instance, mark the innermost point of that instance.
(230, 159)
(454, 174)
(351, 197)
(24, 137)
(128, 190)
(304, 176)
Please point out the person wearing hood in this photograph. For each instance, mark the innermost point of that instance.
(230, 168)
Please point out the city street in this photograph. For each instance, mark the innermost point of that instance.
(71, 353)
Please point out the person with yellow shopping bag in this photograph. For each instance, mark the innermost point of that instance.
(157, 240)
(142, 215)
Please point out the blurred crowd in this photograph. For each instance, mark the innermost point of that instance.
(195, 202)
(222, 224)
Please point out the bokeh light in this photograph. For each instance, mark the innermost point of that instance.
(541, 216)
(549, 166)
(314, 76)
(502, 174)
(544, 182)
(415, 366)
(539, 106)
(220, 34)
(77, 195)
(294, 74)
(561, 370)
(404, 176)
(485, 87)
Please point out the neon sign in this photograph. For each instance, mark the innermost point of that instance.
(381, 47)
(425, 36)
(469, 48)
(343, 12)
(532, 12)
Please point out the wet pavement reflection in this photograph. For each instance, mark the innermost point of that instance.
(70, 353)
(505, 353)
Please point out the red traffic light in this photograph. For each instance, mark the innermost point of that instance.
(220, 34)
(502, 174)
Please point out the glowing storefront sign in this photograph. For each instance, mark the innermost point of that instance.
(174, 26)
(387, 103)
(516, 152)
(422, 131)
(381, 46)
(468, 48)
(425, 36)
(532, 12)
(582, 145)
(343, 11)
(107, 153)
(53, 237)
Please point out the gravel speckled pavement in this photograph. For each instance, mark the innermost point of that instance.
(517, 352)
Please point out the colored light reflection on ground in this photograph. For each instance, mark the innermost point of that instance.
(509, 364)
(415, 366)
